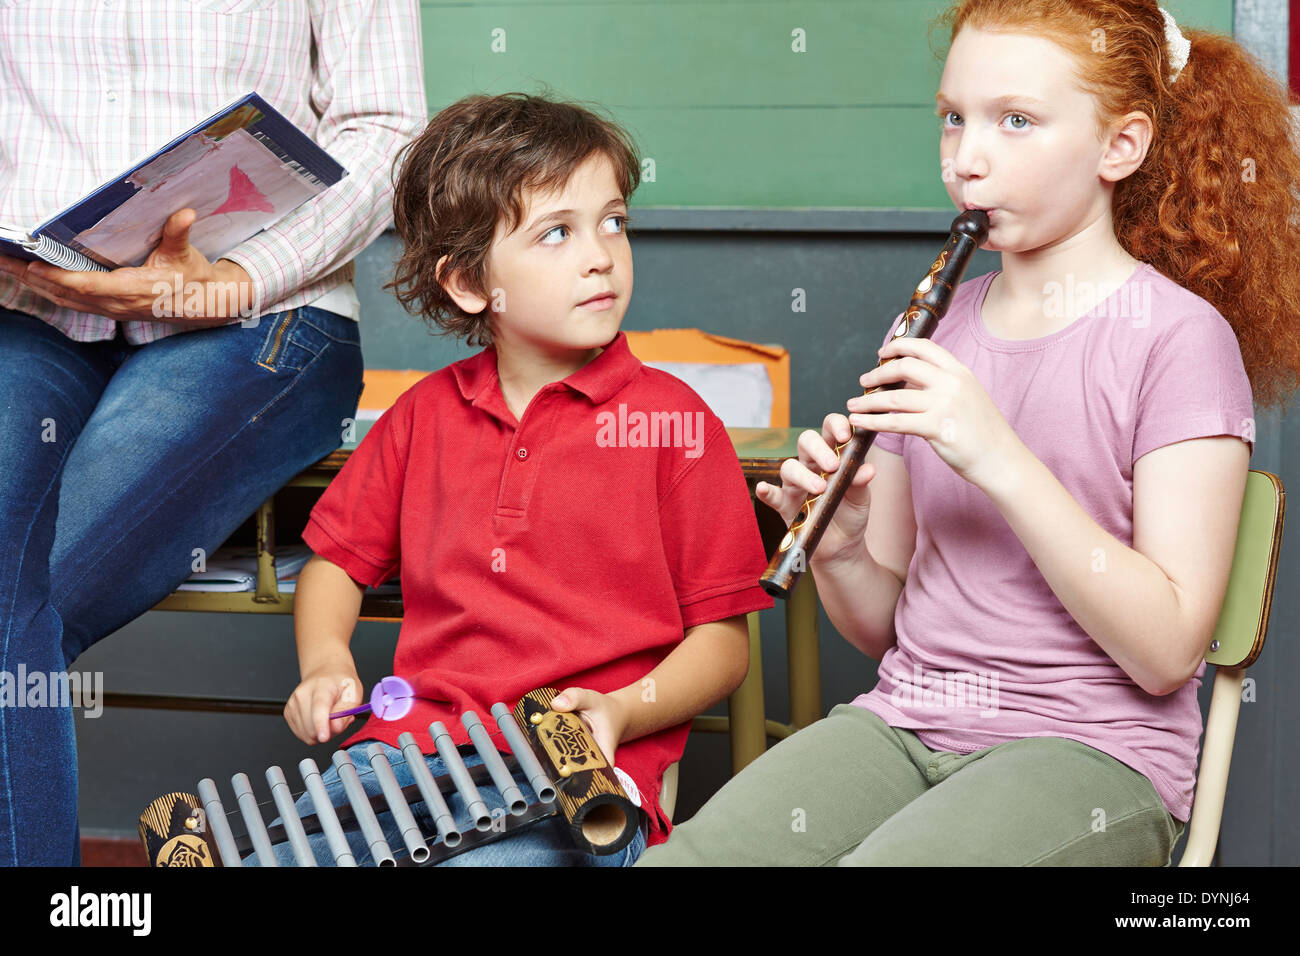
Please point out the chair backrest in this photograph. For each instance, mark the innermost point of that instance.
(1243, 622)
(1237, 642)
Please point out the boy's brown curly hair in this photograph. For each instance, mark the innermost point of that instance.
(467, 171)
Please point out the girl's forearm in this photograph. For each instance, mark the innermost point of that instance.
(860, 596)
(709, 663)
(326, 606)
(1132, 610)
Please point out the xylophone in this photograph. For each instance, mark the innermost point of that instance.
(554, 753)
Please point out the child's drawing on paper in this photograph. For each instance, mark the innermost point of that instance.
(236, 185)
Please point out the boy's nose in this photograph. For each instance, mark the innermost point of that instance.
(597, 257)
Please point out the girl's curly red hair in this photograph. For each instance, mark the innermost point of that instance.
(1214, 205)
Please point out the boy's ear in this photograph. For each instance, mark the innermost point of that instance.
(454, 285)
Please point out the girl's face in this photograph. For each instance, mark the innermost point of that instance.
(1020, 139)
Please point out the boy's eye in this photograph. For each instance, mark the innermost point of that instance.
(550, 232)
(552, 238)
(1019, 116)
(949, 116)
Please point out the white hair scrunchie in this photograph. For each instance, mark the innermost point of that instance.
(1180, 48)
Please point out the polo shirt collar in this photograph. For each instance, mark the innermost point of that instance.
(599, 380)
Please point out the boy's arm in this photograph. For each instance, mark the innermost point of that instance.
(327, 604)
(705, 667)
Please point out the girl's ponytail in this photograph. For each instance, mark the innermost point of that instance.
(1214, 206)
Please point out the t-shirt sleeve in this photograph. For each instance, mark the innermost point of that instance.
(710, 535)
(890, 441)
(1194, 386)
(356, 522)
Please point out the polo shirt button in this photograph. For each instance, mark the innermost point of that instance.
(522, 453)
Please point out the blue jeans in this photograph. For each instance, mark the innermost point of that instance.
(544, 843)
(118, 461)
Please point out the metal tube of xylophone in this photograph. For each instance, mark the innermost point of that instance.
(478, 810)
(215, 815)
(253, 820)
(369, 824)
(438, 809)
(415, 845)
(329, 821)
(510, 792)
(528, 762)
(289, 819)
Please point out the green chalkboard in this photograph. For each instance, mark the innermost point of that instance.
(717, 96)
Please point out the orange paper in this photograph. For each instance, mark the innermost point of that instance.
(383, 386)
(692, 345)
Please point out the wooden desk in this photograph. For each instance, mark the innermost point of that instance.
(760, 450)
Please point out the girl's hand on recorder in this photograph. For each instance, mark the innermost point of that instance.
(941, 401)
(801, 478)
(322, 692)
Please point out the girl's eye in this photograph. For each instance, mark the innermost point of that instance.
(949, 115)
(550, 232)
(1020, 116)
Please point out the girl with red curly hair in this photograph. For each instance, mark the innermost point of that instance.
(1038, 546)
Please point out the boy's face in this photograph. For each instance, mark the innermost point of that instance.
(559, 284)
(1035, 158)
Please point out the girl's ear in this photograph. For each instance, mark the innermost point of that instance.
(1130, 140)
(455, 285)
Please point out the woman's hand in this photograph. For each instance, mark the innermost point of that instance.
(801, 478)
(602, 713)
(324, 691)
(176, 284)
(942, 402)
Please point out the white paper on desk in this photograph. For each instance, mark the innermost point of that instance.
(235, 569)
(741, 394)
(235, 185)
(220, 578)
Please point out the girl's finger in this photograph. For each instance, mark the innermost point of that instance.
(836, 429)
(815, 451)
(799, 476)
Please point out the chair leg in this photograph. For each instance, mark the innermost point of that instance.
(1216, 758)
(803, 654)
(268, 587)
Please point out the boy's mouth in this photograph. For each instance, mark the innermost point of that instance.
(600, 301)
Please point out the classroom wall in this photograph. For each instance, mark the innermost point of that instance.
(730, 271)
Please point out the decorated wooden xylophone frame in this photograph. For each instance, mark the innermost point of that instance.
(182, 829)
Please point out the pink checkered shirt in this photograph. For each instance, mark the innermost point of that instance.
(88, 87)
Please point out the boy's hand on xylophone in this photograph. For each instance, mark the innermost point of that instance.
(321, 692)
(603, 715)
(801, 478)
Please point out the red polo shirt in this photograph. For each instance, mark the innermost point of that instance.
(569, 548)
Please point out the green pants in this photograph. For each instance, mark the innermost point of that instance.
(853, 791)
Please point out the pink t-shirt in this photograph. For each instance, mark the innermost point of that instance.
(986, 653)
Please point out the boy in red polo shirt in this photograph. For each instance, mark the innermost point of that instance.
(560, 514)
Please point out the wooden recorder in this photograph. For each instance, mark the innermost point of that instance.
(929, 303)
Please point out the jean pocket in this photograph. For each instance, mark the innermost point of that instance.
(273, 353)
(293, 339)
